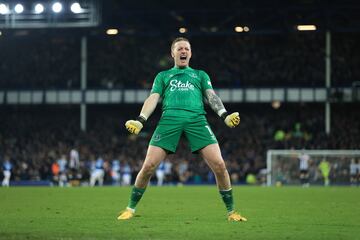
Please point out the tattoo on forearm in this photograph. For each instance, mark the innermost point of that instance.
(214, 101)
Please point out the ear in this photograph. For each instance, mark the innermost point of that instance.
(172, 54)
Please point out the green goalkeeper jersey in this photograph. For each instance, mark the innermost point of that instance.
(182, 91)
(324, 167)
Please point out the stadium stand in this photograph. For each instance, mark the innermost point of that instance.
(35, 137)
(35, 62)
(274, 60)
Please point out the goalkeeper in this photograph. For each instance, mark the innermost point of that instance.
(182, 90)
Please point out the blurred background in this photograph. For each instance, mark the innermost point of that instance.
(72, 73)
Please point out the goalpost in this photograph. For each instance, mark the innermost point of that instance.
(283, 166)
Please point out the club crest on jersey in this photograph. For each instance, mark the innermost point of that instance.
(157, 138)
(193, 75)
(179, 85)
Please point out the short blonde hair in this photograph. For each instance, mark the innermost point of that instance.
(178, 39)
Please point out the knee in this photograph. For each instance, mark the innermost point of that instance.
(149, 168)
(219, 167)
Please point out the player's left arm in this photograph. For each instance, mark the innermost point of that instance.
(231, 120)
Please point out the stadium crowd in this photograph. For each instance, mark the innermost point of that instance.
(39, 63)
(244, 60)
(35, 139)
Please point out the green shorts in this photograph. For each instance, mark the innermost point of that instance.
(196, 130)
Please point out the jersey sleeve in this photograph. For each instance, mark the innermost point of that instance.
(158, 85)
(205, 81)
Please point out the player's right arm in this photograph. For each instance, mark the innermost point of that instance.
(135, 126)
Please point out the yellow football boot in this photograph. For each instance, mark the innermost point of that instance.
(236, 217)
(126, 214)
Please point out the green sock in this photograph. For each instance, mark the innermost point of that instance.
(227, 197)
(135, 196)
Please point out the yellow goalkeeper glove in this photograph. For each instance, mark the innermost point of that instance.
(231, 120)
(135, 126)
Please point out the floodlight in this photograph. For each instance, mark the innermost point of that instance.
(39, 8)
(112, 31)
(182, 30)
(19, 8)
(28, 14)
(276, 104)
(57, 7)
(4, 9)
(239, 29)
(306, 27)
(76, 8)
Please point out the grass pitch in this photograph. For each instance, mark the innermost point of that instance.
(179, 213)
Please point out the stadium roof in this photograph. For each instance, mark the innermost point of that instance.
(158, 17)
(221, 17)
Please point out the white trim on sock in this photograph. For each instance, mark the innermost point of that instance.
(131, 209)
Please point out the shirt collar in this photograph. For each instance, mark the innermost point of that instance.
(185, 68)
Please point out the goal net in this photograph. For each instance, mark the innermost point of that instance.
(285, 167)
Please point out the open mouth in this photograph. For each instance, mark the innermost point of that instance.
(183, 57)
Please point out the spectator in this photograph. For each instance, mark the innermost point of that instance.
(7, 166)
